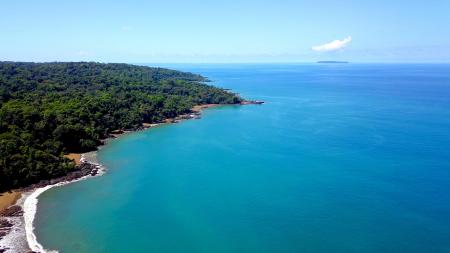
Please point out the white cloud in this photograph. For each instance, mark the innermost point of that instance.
(333, 46)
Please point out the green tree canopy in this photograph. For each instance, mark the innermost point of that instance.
(48, 109)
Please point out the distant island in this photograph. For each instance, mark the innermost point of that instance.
(332, 62)
(49, 110)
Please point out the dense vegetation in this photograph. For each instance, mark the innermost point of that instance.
(48, 109)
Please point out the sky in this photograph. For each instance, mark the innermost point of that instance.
(171, 31)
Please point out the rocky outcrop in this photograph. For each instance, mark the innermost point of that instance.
(84, 169)
(252, 102)
(11, 211)
(5, 227)
(5, 224)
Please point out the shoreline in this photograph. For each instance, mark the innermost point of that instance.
(20, 214)
(91, 169)
(19, 230)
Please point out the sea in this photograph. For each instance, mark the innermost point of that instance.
(340, 158)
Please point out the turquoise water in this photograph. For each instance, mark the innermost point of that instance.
(341, 158)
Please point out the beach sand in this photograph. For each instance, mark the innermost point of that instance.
(8, 199)
(74, 157)
(199, 108)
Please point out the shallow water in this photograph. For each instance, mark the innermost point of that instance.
(341, 158)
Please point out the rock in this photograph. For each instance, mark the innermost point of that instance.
(5, 227)
(118, 131)
(3, 249)
(12, 211)
(84, 169)
(2, 234)
(5, 223)
(94, 172)
(184, 116)
(252, 102)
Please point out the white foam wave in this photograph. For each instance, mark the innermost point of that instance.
(29, 212)
(15, 240)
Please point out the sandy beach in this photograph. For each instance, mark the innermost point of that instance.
(76, 157)
(18, 208)
(8, 199)
(199, 108)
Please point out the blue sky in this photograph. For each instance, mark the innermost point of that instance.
(225, 31)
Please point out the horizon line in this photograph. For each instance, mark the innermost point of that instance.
(246, 62)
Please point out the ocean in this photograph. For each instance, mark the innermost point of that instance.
(341, 158)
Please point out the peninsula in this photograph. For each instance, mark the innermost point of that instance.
(49, 110)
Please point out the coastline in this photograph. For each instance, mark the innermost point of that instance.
(18, 230)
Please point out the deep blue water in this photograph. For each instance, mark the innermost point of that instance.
(341, 158)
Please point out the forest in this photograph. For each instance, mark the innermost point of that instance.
(50, 109)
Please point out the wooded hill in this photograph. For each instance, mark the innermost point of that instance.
(48, 109)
